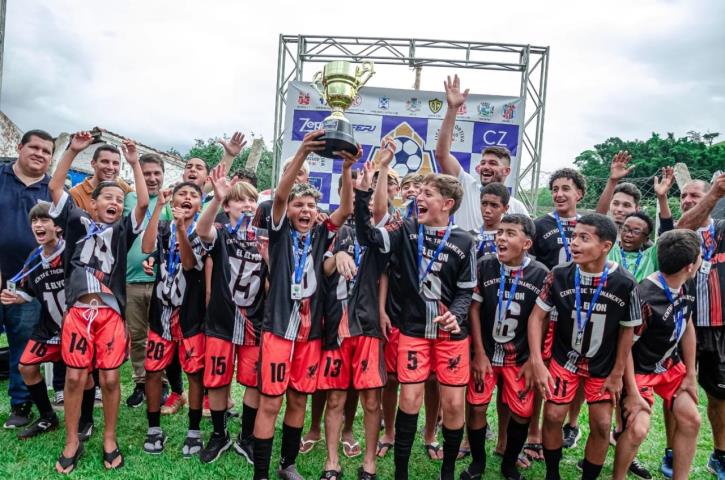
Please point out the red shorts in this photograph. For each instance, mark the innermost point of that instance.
(359, 360)
(284, 363)
(663, 384)
(391, 351)
(219, 363)
(566, 384)
(514, 393)
(39, 352)
(450, 360)
(93, 337)
(160, 352)
(548, 347)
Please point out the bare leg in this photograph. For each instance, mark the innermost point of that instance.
(218, 398)
(333, 426)
(153, 391)
(535, 427)
(432, 408)
(318, 407)
(390, 405)
(600, 422)
(503, 422)
(196, 390)
(267, 416)
(111, 389)
(629, 442)
(716, 415)
(575, 408)
(687, 426)
(75, 382)
(351, 402)
(370, 400)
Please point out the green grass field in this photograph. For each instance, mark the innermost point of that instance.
(34, 459)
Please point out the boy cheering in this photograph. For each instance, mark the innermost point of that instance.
(596, 305)
(93, 332)
(666, 334)
(437, 271)
(290, 347)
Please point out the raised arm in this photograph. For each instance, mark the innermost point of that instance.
(186, 252)
(310, 144)
(130, 153)
(222, 186)
(617, 171)
(380, 197)
(78, 142)
(698, 215)
(232, 149)
(455, 98)
(148, 241)
(339, 216)
(662, 187)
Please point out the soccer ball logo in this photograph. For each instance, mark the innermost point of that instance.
(408, 155)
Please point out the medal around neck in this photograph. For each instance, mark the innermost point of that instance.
(338, 84)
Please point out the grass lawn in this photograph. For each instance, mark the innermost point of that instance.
(34, 459)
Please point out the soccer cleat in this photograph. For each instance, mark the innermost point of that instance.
(137, 396)
(289, 473)
(154, 444)
(716, 466)
(192, 446)
(85, 430)
(666, 465)
(20, 415)
(638, 469)
(245, 448)
(214, 448)
(39, 426)
(173, 403)
(59, 401)
(571, 436)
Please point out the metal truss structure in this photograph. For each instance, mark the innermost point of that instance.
(530, 62)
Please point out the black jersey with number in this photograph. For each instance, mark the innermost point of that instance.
(548, 247)
(236, 305)
(617, 306)
(485, 242)
(263, 215)
(46, 283)
(95, 264)
(506, 341)
(183, 293)
(710, 279)
(656, 349)
(283, 316)
(447, 287)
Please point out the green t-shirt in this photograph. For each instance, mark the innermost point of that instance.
(647, 265)
(134, 270)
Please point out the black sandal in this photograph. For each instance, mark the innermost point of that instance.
(363, 475)
(534, 447)
(66, 462)
(109, 457)
(435, 447)
(329, 474)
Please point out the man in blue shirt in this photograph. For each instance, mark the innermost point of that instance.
(22, 184)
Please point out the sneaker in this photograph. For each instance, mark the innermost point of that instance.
(192, 446)
(39, 426)
(571, 436)
(716, 466)
(245, 448)
(173, 403)
(666, 464)
(137, 396)
(59, 401)
(98, 398)
(85, 430)
(289, 473)
(206, 409)
(20, 415)
(638, 469)
(154, 444)
(214, 448)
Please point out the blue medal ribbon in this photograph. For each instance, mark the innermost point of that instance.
(300, 257)
(485, 241)
(708, 252)
(421, 276)
(244, 218)
(23, 272)
(358, 251)
(562, 234)
(582, 324)
(636, 264)
(512, 292)
(679, 313)
(93, 230)
(173, 259)
(412, 210)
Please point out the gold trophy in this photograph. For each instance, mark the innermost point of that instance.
(338, 83)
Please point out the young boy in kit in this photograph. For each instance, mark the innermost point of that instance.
(93, 334)
(235, 311)
(437, 266)
(494, 204)
(509, 283)
(177, 310)
(290, 346)
(409, 190)
(597, 308)
(663, 355)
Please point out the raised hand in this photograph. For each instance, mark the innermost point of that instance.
(620, 165)
(387, 151)
(164, 196)
(348, 159)
(663, 184)
(221, 184)
(312, 143)
(454, 96)
(130, 153)
(178, 213)
(79, 141)
(718, 186)
(234, 146)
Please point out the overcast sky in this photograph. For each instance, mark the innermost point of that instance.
(167, 72)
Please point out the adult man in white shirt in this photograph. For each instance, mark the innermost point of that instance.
(494, 166)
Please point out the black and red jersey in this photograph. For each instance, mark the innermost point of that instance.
(505, 337)
(236, 305)
(710, 279)
(594, 351)
(296, 319)
(263, 215)
(95, 254)
(446, 285)
(485, 242)
(549, 247)
(177, 291)
(655, 347)
(46, 283)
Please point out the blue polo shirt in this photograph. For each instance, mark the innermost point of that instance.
(16, 236)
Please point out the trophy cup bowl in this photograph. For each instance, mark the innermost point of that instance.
(338, 84)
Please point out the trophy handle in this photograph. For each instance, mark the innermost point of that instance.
(317, 84)
(363, 74)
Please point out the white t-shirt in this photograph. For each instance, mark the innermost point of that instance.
(468, 216)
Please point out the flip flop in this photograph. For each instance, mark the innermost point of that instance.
(383, 445)
(306, 446)
(463, 452)
(66, 462)
(435, 447)
(534, 447)
(330, 474)
(109, 457)
(351, 450)
(523, 461)
(363, 475)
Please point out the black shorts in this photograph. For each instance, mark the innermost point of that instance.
(711, 360)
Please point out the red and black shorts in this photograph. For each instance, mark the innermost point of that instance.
(94, 337)
(358, 361)
(513, 390)
(565, 385)
(664, 384)
(160, 352)
(219, 361)
(391, 351)
(418, 358)
(285, 363)
(37, 352)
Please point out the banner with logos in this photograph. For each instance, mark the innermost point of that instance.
(413, 118)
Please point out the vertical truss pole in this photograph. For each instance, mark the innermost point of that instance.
(524, 59)
(539, 139)
(278, 110)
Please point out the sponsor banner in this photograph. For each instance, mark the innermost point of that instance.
(413, 118)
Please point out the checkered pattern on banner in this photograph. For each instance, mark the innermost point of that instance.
(413, 118)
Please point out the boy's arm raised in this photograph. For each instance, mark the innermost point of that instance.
(455, 98)
(148, 241)
(78, 142)
(130, 153)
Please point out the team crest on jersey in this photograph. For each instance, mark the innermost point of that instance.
(435, 105)
(312, 371)
(364, 365)
(453, 363)
(485, 110)
(303, 98)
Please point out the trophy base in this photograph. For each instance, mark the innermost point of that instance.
(338, 137)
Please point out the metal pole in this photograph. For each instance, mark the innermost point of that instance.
(2, 40)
